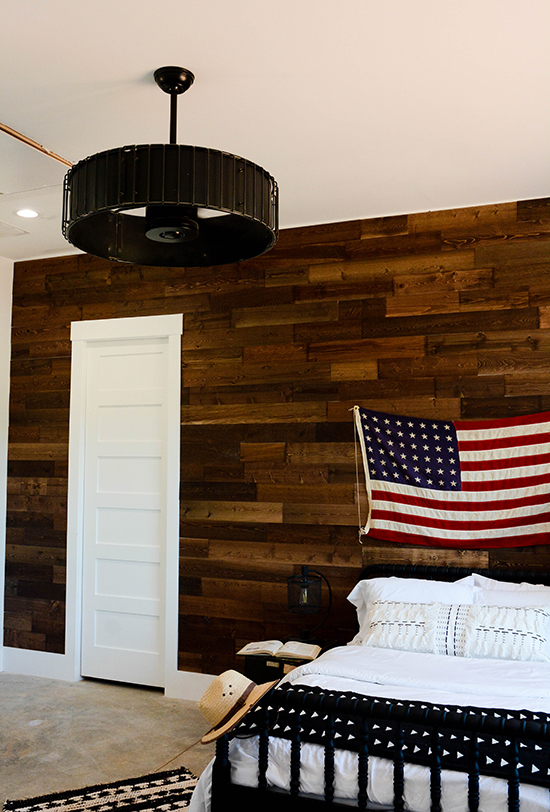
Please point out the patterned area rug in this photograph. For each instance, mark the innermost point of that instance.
(167, 791)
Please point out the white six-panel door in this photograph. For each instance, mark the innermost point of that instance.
(124, 511)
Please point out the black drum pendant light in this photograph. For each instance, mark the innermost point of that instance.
(201, 206)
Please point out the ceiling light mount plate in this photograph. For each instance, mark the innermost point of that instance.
(172, 79)
(175, 184)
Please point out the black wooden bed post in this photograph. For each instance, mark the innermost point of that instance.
(329, 759)
(473, 775)
(399, 771)
(295, 748)
(435, 772)
(263, 749)
(363, 764)
(221, 773)
(513, 777)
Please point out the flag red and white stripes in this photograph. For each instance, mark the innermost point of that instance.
(462, 484)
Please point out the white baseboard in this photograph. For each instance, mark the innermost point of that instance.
(179, 684)
(38, 664)
(186, 685)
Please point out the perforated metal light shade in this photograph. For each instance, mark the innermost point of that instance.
(178, 184)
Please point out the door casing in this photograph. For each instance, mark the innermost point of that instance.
(82, 335)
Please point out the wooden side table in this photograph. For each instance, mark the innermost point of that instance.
(266, 668)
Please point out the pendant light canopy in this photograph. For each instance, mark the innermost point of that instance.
(170, 204)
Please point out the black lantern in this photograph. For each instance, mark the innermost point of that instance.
(304, 597)
(170, 204)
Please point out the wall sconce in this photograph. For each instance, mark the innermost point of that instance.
(304, 597)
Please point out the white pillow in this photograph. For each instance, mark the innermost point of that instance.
(405, 589)
(490, 592)
(505, 597)
(460, 630)
(469, 580)
(490, 583)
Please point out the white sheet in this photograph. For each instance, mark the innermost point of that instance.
(488, 683)
(400, 675)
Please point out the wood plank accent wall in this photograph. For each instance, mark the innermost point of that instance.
(443, 314)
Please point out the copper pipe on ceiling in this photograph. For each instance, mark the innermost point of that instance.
(34, 144)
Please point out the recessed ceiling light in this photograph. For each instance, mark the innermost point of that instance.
(27, 213)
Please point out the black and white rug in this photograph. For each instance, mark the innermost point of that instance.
(164, 791)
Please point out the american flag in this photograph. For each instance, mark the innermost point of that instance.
(466, 484)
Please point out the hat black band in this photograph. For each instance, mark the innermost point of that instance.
(237, 705)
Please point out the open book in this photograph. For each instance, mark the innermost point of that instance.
(303, 651)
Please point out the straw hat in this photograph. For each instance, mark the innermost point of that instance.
(227, 700)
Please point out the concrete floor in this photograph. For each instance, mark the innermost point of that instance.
(57, 735)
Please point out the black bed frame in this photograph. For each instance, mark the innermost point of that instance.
(268, 799)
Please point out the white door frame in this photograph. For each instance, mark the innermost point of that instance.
(82, 334)
(178, 684)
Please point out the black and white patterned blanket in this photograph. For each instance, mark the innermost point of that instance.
(168, 791)
(494, 759)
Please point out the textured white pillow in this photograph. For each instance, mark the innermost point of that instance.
(406, 589)
(460, 630)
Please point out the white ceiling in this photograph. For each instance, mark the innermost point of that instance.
(360, 108)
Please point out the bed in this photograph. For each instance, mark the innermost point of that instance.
(441, 701)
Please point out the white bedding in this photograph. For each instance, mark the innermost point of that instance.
(458, 676)
(400, 675)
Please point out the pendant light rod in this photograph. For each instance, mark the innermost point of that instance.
(174, 81)
(173, 118)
